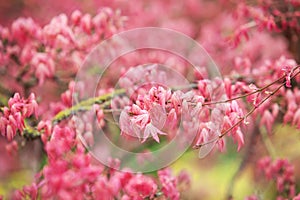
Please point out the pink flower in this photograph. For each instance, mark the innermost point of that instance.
(184, 179)
(140, 187)
(205, 88)
(252, 197)
(13, 116)
(126, 125)
(239, 137)
(46, 126)
(86, 23)
(12, 148)
(172, 119)
(153, 131)
(287, 66)
(23, 29)
(76, 17)
(297, 197)
(282, 172)
(288, 71)
(169, 184)
(62, 140)
(27, 192)
(296, 119)
(267, 119)
(147, 117)
(44, 66)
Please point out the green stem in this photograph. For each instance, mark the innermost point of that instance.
(85, 105)
(29, 132)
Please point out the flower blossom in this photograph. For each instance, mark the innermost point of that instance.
(282, 172)
(14, 115)
(169, 184)
(140, 187)
(287, 67)
(134, 120)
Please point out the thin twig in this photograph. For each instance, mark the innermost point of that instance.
(245, 95)
(254, 108)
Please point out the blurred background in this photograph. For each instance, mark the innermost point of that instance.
(217, 176)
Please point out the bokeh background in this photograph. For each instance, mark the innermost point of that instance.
(217, 175)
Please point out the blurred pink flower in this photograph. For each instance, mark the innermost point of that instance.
(14, 115)
(140, 187)
(169, 184)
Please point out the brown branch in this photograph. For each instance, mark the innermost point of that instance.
(254, 108)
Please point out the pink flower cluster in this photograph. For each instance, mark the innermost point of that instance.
(156, 110)
(282, 172)
(72, 174)
(13, 116)
(169, 184)
(147, 116)
(62, 44)
(265, 15)
(293, 107)
(274, 74)
(26, 192)
(271, 15)
(159, 111)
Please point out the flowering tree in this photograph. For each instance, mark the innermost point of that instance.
(75, 86)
